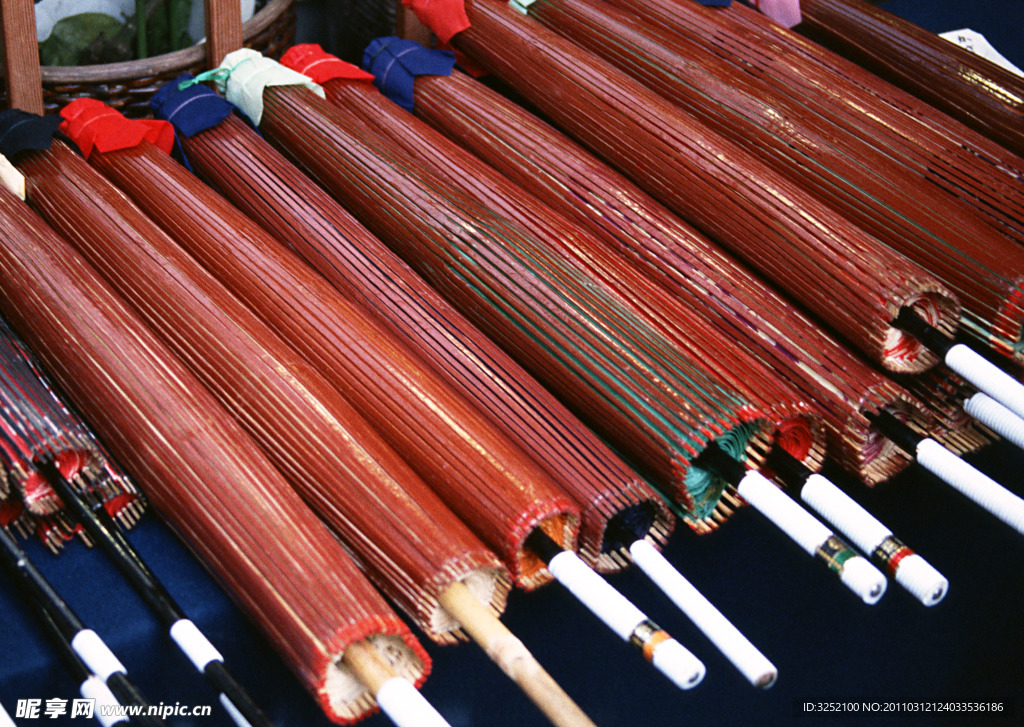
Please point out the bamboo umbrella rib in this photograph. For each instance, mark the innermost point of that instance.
(816, 152)
(412, 546)
(792, 239)
(477, 471)
(198, 467)
(36, 428)
(683, 261)
(947, 394)
(238, 163)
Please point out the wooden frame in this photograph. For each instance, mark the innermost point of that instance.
(21, 52)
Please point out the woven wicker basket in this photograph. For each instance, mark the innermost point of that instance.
(127, 86)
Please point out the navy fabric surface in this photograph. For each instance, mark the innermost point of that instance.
(191, 109)
(22, 131)
(829, 647)
(1000, 21)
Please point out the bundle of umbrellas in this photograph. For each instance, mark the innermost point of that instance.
(475, 349)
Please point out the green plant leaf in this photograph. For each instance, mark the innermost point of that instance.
(72, 35)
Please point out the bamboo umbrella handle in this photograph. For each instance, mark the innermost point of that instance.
(511, 655)
(367, 665)
(396, 695)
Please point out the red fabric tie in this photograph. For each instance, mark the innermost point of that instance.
(313, 61)
(445, 18)
(93, 125)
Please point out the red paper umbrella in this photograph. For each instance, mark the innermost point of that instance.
(483, 476)
(795, 241)
(950, 155)
(413, 546)
(360, 103)
(809, 145)
(199, 468)
(234, 158)
(966, 86)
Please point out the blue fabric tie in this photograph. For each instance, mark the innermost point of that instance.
(395, 63)
(22, 131)
(191, 109)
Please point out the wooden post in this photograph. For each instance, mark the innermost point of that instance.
(409, 27)
(21, 55)
(223, 29)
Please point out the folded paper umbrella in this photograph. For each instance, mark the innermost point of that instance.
(947, 153)
(204, 474)
(496, 489)
(814, 150)
(412, 546)
(57, 448)
(683, 261)
(236, 160)
(972, 89)
(538, 301)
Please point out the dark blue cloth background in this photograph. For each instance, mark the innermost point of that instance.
(1000, 21)
(828, 646)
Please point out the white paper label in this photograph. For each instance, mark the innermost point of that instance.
(976, 43)
(11, 177)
